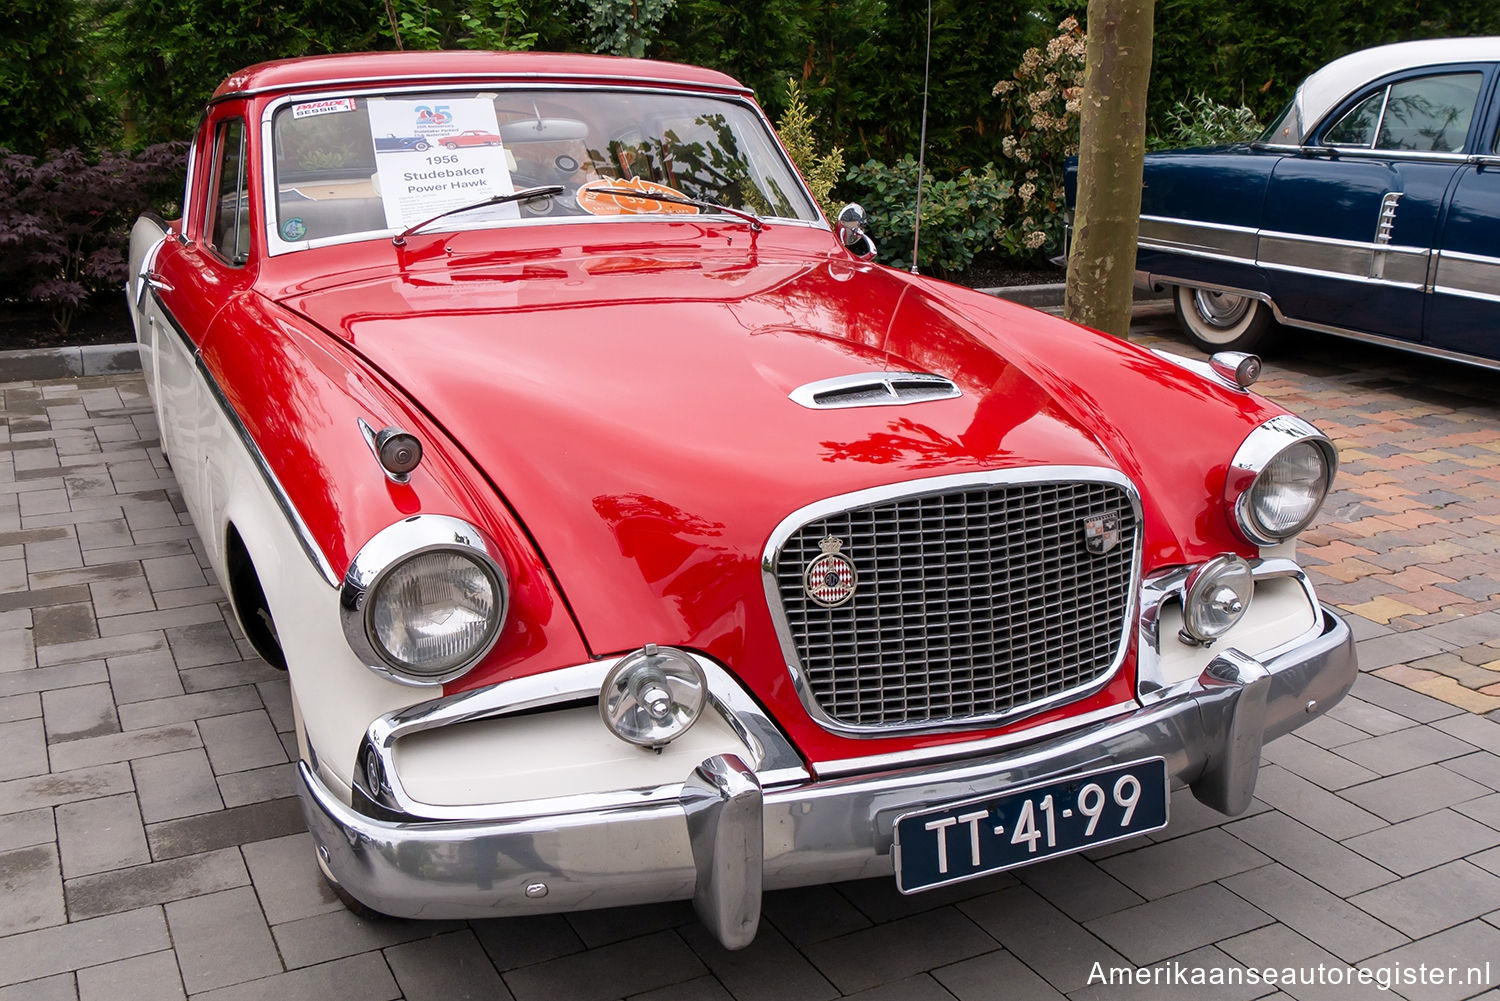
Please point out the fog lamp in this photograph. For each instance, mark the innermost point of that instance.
(1214, 598)
(651, 697)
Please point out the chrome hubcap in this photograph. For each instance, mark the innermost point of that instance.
(1221, 309)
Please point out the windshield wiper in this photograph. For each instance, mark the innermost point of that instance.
(702, 203)
(541, 191)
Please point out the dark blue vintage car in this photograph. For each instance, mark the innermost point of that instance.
(1370, 209)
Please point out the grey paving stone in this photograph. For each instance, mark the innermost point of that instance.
(1314, 806)
(202, 644)
(66, 787)
(1041, 936)
(124, 746)
(55, 624)
(1482, 767)
(175, 785)
(41, 597)
(30, 827)
(1405, 749)
(1205, 974)
(31, 882)
(1185, 816)
(525, 941)
(1467, 631)
(221, 939)
(994, 976)
(169, 572)
(1304, 850)
(1460, 949)
(919, 988)
(17, 652)
(156, 883)
(1413, 793)
(258, 785)
(142, 676)
(880, 901)
(1078, 887)
(117, 597)
(1433, 900)
(1426, 841)
(1489, 861)
(1486, 810)
(23, 749)
(25, 706)
(697, 989)
(48, 951)
(57, 988)
(612, 924)
(1367, 716)
(1278, 948)
(1403, 701)
(608, 972)
(446, 968)
(154, 976)
(769, 969)
(1315, 764)
(811, 913)
(167, 618)
(109, 646)
(239, 672)
(241, 741)
(287, 879)
(1157, 929)
(49, 678)
(238, 826)
(277, 698)
(1482, 733)
(1161, 870)
(322, 937)
(1330, 921)
(85, 711)
(1327, 732)
(360, 978)
(182, 708)
(98, 834)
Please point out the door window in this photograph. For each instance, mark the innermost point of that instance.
(1429, 114)
(229, 210)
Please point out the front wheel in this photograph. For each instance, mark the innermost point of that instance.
(1223, 321)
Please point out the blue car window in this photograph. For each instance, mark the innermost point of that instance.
(1430, 114)
(1357, 127)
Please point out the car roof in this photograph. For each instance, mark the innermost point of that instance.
(1325, 88)
(321, 72)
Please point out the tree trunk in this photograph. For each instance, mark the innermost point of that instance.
(1112, 143)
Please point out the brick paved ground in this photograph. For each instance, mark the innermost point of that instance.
(151, 846)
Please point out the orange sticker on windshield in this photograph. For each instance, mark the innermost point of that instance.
(603, 197)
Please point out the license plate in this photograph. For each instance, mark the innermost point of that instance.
(964, 840)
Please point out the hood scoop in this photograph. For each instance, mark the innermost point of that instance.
(874, 389)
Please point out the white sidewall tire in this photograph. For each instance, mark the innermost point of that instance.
(1247, 332)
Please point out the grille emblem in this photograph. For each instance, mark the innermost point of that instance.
(830, 579)
(1101, 533)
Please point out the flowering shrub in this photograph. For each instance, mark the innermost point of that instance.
(1202, 121)
(1044, 95)
(64, 221)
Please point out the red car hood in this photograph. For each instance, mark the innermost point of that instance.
(634, 411)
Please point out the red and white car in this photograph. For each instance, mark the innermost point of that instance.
(629, 537)
(471, 137)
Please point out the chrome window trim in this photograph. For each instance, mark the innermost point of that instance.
(925, 487)
(389, 548)
(1365, 152)
(299, 527)
(775, 762)
(275, 245)
(1166, 586)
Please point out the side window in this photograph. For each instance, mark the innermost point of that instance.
(1429, 114)
(228, 223)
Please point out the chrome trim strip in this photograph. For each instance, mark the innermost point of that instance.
(1469, 275)
(1335, 242)
(1467, 293)
(294, 519)
(1366, 153)
(926, 487)
(1206, 255)
(774, 759)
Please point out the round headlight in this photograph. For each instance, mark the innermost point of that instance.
(652, 696)
(433, 613)
(1215, 597)
(1287, 493)
(424, 600)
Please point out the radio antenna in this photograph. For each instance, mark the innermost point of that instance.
(916, 236)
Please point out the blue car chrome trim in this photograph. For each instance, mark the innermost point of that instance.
(726, 836)
(278, 493)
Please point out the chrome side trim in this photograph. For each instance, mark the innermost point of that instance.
(1469, 275)
(874, 389)
(294, 519)
(926, 487)
(387, 549)
(1366, 153)
(774, 759)
(1165, 233)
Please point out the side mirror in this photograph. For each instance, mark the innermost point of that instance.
(851, 227)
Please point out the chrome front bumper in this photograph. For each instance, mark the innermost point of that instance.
(726, 838)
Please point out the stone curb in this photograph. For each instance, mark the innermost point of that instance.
(63, 363)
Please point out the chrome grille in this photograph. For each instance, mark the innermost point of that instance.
(971, 603)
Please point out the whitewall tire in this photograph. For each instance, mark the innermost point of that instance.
(1223, 321)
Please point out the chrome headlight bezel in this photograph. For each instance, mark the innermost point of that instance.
(1255, 456)
(392, 548)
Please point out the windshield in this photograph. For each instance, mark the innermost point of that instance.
(365, 165)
